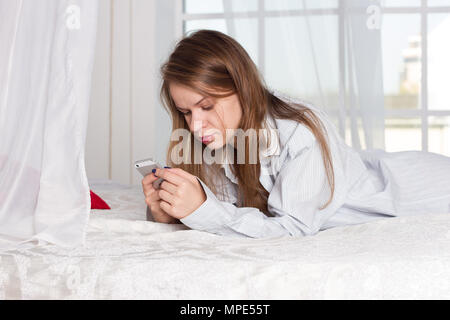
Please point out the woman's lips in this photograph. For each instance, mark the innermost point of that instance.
(207, 139)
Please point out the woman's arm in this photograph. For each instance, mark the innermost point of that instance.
(300, 189)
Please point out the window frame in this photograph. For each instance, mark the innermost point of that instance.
(423, 112)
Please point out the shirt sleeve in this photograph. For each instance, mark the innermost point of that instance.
(300, 189)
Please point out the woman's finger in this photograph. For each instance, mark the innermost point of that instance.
(153, 195)
(167, 207)
(183, 173)
(170, 176)
(169, 187)
(167, 197)
(149, 179)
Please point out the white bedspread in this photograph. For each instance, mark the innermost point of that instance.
(126, 257)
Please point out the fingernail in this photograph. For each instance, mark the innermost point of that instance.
(167, 167)
(154, 170)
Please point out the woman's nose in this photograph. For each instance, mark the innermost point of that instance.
(198, 122)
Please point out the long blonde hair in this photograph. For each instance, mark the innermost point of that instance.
(209, 62)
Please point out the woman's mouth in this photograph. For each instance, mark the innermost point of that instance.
(207, 139)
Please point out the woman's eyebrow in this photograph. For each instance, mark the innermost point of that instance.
(194, 104)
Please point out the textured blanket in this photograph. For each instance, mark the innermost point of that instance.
(127, 257)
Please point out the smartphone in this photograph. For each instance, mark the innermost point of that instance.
(146, 166)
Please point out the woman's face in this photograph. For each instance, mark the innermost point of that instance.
(208, 118)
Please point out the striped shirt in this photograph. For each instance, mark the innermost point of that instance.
(369, 185)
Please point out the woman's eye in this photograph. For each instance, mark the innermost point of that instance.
(208, 108)
(188, 112)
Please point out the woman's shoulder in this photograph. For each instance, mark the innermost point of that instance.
(294, 135)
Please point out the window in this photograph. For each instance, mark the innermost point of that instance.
(415, 55)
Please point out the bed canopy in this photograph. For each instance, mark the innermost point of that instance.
(46, 58)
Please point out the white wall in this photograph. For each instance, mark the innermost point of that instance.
(126, 119)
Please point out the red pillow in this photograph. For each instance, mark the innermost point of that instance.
(97, 202)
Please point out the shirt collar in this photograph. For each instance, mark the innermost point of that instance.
(273, 145)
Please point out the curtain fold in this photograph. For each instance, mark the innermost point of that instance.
(364, 69)
(329, 52)
(46, 58)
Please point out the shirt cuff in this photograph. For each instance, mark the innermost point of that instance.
(211, 215)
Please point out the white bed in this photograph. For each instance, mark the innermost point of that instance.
(127, 257)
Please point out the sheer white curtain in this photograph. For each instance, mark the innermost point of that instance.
(364, 73)
(46, 57)
(328, 52)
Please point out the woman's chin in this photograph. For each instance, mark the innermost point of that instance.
(213, 145)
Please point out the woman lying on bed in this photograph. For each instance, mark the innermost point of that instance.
(302, 179)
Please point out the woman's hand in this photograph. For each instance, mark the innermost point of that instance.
(153, 201)
(181, 192)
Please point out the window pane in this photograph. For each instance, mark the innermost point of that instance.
(217, 6)
(247, 35)
(244, 6)
(400, 3)
(403, 134)
(438, 3)
(355, 132)
(438, 61)
(322, 4)
(210, 24)
(298, 4)
(202, 6)
(244, 31)
(302, 66)
(283, 5)
(439, 135)
(401, 43)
